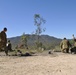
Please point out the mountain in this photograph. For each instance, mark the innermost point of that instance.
(45, 39)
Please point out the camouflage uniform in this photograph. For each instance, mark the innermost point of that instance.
(64, 45)
(3, 41)
(74, 46)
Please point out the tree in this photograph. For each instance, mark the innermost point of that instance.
(38, 21)
(24, 40)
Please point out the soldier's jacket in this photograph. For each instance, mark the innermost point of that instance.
(3, 39)
(64, 44)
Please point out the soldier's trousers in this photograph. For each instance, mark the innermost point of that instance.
(65, 50)
(3, 47)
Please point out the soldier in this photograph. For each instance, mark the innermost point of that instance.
(9, 45)
(74, 48)
(3, 40)
(64, 45)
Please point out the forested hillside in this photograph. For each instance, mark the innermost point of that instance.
(48, 41)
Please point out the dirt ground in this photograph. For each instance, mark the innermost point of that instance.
(40, 64)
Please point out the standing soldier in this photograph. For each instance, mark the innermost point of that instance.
(64, 45)
(74, 48)
(3, 40)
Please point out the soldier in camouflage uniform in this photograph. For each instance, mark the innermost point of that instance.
(64, 45)
(74, 48)
(3, 40)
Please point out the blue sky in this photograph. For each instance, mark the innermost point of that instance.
(18, 16)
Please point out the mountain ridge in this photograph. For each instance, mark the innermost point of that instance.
(45, 39)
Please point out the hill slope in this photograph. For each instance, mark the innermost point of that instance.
(45, 39)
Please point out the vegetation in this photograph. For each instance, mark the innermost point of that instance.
(24, 41)
(38, 21)
(48, 42)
